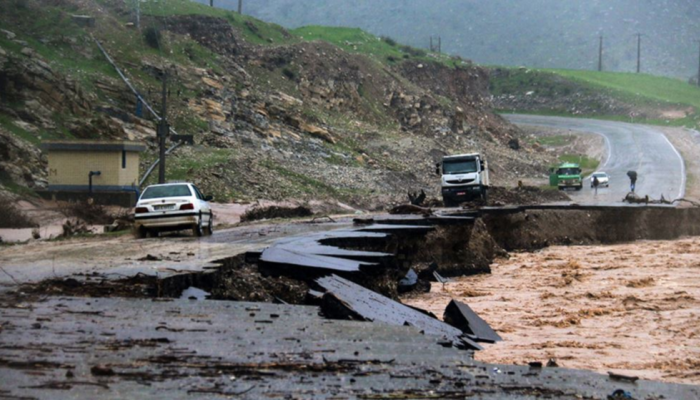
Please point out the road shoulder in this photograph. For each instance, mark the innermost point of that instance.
(687, 142)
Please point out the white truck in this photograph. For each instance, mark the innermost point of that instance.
(464, 177)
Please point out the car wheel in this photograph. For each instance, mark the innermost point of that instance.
(140, 232)
(210, 225)
(198, 229)
(152, 233)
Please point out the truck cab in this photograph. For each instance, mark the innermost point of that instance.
(566, 175)
(464, 177)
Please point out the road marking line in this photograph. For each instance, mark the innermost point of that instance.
(681, 193)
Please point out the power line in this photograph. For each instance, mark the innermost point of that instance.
(138, 14)
(163, 128)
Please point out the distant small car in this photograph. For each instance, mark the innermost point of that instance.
(172, 207)
(603, 179)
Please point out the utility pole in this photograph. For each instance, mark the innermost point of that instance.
(163, 129)
(600, 54)
(698, 67)
(639, 52)
(436, 48)
(240, 6)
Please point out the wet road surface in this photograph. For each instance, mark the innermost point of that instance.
(106, 348)
(123, 256)
(630, 147)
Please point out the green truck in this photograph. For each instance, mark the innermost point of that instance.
(566, 175)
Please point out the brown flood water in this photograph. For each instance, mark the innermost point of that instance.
(631, 308)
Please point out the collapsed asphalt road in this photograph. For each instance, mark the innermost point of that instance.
(86, 337)
(630, 147)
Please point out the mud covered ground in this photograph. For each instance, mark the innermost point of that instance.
(629, 308)
(525, 195)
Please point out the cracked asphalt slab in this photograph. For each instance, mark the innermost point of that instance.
(641, 148)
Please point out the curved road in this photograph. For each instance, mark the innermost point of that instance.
(630, 147)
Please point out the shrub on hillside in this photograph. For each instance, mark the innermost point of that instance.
(289, 74)
(152, 37)
(414, 51)
(13, 217)
(389, 41)
(88, 212)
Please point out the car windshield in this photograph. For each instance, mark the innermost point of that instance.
(156, 192)
(459, 167)
(568, 171)
(599, 175)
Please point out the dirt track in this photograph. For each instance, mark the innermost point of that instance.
(630, 308)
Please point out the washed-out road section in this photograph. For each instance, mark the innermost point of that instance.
(640, 148)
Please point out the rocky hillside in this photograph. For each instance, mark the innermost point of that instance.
(274, 115)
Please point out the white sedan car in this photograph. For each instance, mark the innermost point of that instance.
(603, 179)
(171, 207)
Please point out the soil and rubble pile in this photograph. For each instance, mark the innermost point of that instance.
(525, 195)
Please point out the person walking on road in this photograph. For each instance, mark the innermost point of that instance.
(596, 182)
(633, 179)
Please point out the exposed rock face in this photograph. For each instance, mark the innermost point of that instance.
(467, 88)
(29, 80)
(467, 85)
(214, 33)
(21, 162)
(441, 100)
(325, 75)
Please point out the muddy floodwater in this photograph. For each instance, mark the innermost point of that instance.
(631, 308)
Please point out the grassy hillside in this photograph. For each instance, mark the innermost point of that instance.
(609, 95)
(382, 49)
(638, 86)
(254, 30)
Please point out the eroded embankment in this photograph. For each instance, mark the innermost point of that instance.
(534, 229)
(450, 250)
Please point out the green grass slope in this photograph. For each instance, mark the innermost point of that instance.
(638, 86)
(383, 49)
(636, 90)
